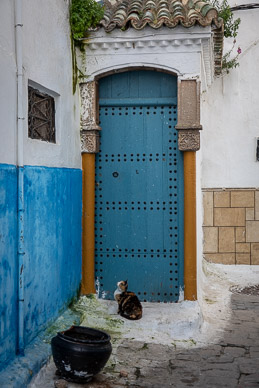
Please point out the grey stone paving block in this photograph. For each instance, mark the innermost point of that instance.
(226, 370)
(250, 381)
(254, 351)
(243, 315)
(151, 363)
(225, 358)
(248, 365)
(234, 351)
(219, 381)
(193, 357)
(238, 340)
(211, 351)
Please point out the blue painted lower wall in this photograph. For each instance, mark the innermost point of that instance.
(8, 263)
(52, 242)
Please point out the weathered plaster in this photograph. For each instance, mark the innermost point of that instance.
(48, 62)
(8, 84)
(52, 196)
(52, 240)
(230, 117)
(177, 50)
(8, 262)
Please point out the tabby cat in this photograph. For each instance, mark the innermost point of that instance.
(129, 305)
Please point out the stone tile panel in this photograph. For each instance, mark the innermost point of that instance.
(250, 214)
(257, 205)
(243, 247)
(240, 234)
(242, 198)
(229, 217)
(221, 258)
(210, 236)
(255, 254)
(252, 231)
(221, 199)
(208, 208)
(226, 239)
(243, 258)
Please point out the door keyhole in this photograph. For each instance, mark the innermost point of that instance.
(115, 174)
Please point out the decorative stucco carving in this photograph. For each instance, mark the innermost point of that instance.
(89, 106)
(89, 114)
(90, 142)
(188, 115)
(188, 140)
(154, 44)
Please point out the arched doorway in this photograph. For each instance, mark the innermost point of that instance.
(139, 187)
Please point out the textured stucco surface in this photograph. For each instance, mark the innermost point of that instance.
(52, 249)
(47, 64)
(230, 115)
(8, 262)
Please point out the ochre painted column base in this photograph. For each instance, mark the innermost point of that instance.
(190, 271)
(88, 166)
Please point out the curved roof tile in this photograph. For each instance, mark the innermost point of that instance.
(158, 13)
(170, 13)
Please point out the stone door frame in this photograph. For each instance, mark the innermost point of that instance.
(185, 53)
(188, 127)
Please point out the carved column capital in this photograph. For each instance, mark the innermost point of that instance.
(89, 106)
(188, 140)
(90, 142)
(188, 115)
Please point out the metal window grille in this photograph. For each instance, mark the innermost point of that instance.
(41, 116)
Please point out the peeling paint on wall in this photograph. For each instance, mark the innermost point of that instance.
(52, 240)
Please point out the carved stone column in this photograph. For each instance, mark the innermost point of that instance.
(188, 115)
(89, 113)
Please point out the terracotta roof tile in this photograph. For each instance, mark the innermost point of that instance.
(170, 13)
(158, 13)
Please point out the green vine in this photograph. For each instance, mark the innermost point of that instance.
(231, 27)
(84, 16)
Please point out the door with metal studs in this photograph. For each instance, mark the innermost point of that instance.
(139, 187)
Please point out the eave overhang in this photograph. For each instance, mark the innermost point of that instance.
(156, 14)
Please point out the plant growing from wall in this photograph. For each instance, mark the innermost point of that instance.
(84, 16)
(231, 27)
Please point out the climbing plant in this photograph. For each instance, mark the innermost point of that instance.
(231, 27)
(84, 15)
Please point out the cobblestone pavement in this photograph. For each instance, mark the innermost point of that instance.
(224, 354)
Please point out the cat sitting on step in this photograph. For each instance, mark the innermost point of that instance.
(129, 305)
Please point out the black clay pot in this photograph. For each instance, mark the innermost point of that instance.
(81, 352)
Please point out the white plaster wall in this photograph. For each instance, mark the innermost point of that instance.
(7, 84)
(230, 116)
(177, 50)
(47, 62)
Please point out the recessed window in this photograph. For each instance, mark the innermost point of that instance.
(41, 116)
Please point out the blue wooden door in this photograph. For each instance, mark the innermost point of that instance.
(139, 187)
